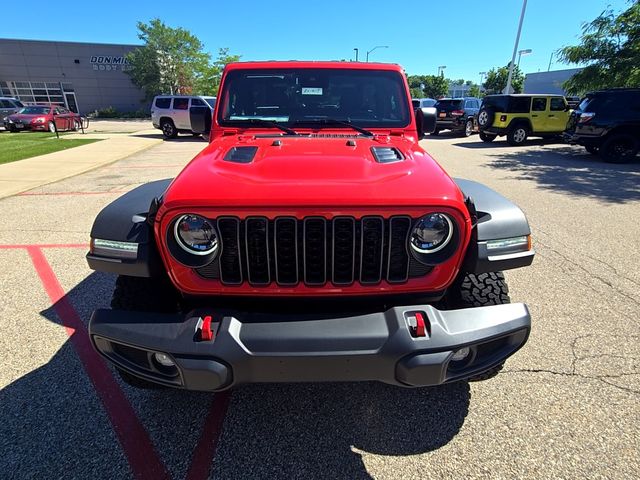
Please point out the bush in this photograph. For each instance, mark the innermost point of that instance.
(110, 112)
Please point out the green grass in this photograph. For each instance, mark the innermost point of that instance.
(17, 146)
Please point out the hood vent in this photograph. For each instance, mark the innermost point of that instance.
(241, 154)
(387, 154)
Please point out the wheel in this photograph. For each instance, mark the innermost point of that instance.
(485, 137)
(479, 291)
(143, 295)
(517, 135)
(12, 129)
(619, 148)
(485, 117)
(468, 128)
(592, 149)
(436, 132)
(52, 127)
(169, 130)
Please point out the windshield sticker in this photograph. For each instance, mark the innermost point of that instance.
(311, 91)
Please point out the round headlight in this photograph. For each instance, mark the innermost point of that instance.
(196, 235)
(431, 233)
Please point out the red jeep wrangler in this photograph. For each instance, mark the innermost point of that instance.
(312, 240)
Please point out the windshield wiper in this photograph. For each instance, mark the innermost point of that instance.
(267, 123)
(333, 121)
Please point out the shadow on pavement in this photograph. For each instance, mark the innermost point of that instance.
(54, 425)
(501, 142)
(574, 171)
(315, 430)
(179, 138)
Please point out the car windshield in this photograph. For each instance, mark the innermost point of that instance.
(211, 101)
(448, 104)
(35, 110)
(312, 96)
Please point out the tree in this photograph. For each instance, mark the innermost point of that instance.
(208, 81)
(435, 86)
(496, 80)
(474, 91)
(610, 46)
(173, 61)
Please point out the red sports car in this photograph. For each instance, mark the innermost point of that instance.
(42, 118)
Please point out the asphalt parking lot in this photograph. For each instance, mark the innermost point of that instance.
(566, 405)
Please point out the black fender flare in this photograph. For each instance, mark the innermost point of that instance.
(497, 218)
(129, 219)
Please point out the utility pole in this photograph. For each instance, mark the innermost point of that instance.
(550, 58)
(515, 48)
(356, 54)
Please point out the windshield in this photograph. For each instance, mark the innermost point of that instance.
(211, 101)
(35, 110)
(366, 98)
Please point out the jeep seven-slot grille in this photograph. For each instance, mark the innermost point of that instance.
(313, 251)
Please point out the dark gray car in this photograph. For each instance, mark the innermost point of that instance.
(457, 114)
(8, 106)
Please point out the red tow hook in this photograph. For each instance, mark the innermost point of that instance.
(204, 327)
(418, 325)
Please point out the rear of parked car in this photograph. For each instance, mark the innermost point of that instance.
(172, 114)
(456, 114)
(607, 123)
(8, 106)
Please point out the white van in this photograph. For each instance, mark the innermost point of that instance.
(172, 113)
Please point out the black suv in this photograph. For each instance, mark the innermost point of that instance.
(607, 122)
(457, 114)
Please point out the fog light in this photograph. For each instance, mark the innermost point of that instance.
(165, 360)
(458, 355)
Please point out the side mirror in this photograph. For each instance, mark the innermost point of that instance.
(200, 117)
(427, 119)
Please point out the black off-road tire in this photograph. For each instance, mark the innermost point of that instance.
(517, 135)
(592, 149)
(143, 295)
(619, 148)
(486, 117)
(480, 291)
(168, 128)
(485, 137)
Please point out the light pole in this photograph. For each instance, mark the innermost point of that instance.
(525, 52)
(356, 54)
(515, 48)
(550, 58)
(441, 70)
(374, 48)
(482, 75)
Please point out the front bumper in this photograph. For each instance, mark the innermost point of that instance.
(253, 348)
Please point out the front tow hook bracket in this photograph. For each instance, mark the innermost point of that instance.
(418, 324)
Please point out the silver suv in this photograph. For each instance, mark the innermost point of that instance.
(173, 113)
(8, 106)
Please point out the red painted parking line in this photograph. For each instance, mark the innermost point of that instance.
(133, 438)
(45, 245)
(206, 449)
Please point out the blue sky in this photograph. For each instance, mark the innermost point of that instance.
(468, 36)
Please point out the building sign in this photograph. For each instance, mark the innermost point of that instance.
(106, 62)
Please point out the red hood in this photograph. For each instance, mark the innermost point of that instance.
(305, 171)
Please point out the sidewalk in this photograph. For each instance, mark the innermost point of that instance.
(23, 175)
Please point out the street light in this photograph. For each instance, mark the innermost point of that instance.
(515, 48)
(441, 70)
(482, 75)
(525, 52)
(356, 54)
(374, 48)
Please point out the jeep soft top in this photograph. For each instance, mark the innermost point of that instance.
(312, 240)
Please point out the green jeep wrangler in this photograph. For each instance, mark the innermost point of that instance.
(519, 116)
